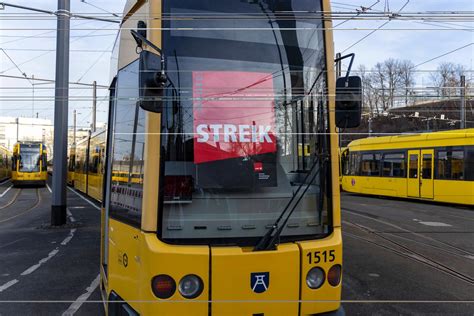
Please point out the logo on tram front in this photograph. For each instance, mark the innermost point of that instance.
(259, 281)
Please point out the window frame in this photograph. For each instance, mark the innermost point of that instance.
(250, 240)
(111, 213)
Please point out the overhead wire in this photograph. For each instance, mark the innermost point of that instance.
(38, 35)
(102, 9)
(363, 10)
(48, 52)
(100, 86)
(444, 54)
(16, 66)
(381, 26)
(53, 50)
(96, 61)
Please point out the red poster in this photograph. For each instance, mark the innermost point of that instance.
(234, 115)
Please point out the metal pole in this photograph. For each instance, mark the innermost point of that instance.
(94, 105)
(59, 202)
(370, 125)
(463, 102)
(17, 129)
(74, 131)
(33, 101)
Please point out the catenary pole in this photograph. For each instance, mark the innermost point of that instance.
(94, 106)
(59, 202)
(74, 132)
(463, 102)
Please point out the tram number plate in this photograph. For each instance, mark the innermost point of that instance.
(321, 256)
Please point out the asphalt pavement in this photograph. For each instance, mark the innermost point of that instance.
(407, 257)
(45, 270)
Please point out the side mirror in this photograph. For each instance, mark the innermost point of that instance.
(152, 81)
(348, 102)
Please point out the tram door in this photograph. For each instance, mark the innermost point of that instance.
(413, 189)
(426, 179)
(420, 173)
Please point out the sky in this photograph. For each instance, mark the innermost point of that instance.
(415, 40)
(29, 40)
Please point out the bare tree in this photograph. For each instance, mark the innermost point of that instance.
(392, 70)
(407, 79)
(447, 78)
(386, 84)
(367, 94)
(380, 81)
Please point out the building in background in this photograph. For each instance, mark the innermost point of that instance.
(14, 129)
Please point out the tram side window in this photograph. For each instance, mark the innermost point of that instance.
(354, 164)
(79, 163)
(413, 173)
(394, 165)
(457, 165)
(72, 163)
(442, 165)
(345, 163)
(469, 164)
(451, 165)
(370, 165)
(44, 161)
(125, 192)
(427, 166)
(94, 164)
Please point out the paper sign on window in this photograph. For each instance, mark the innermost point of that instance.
(234, 115)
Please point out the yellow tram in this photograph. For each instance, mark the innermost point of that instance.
(435, 166)
(88, 169)
(29, 163)
(343, 151)
(210, 207)
(5, 160)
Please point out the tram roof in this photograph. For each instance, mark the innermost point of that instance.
(414, 137)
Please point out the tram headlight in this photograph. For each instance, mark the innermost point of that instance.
(315, 278)
(334, 275)
(190, 286)
(163, 286)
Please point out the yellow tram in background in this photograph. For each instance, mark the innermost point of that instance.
(210, 206)
(5, 161)
(29, 164)
(435, 166)
(87, 160)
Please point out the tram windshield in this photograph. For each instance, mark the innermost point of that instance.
(245, 119)
(29, 158)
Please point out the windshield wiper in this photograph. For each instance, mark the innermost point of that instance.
(269, 242)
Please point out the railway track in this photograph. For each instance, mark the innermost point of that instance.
(28, 208)
(401, 229)
(461, 253)
(13, 200)
(406, 252)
